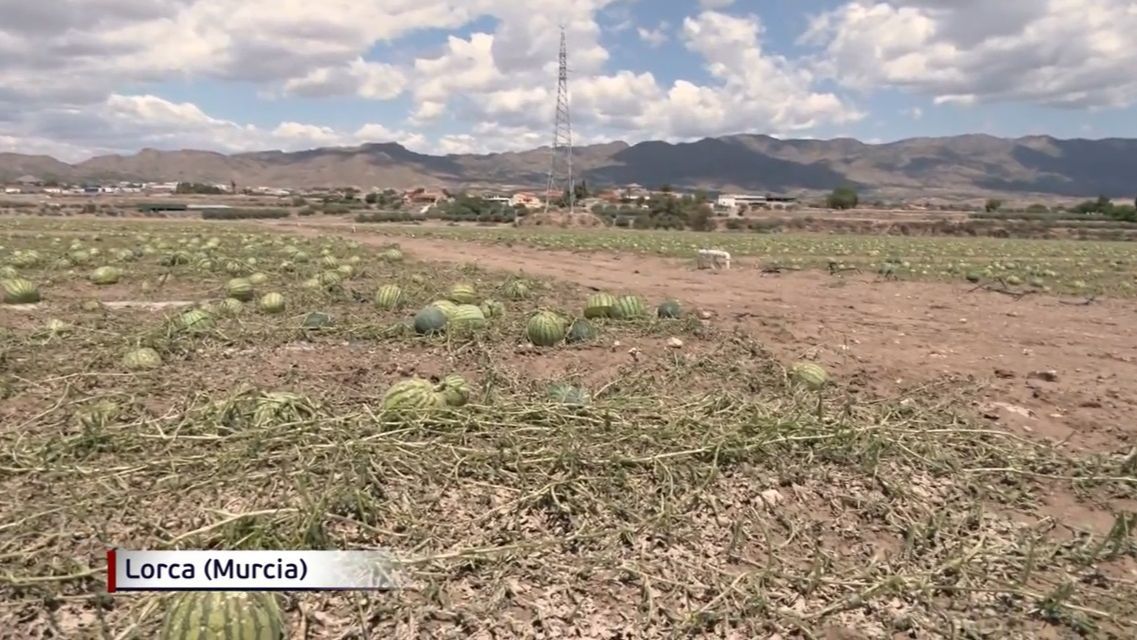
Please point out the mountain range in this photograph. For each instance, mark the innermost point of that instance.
(959, 166)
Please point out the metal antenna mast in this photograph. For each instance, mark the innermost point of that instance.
(560, 164)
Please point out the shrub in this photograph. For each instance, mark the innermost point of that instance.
(842, 198)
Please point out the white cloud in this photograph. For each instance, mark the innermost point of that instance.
(371, 80)
(1065, 53)
(125, 123)
(753, 89)
(71, 71)
(656, 37)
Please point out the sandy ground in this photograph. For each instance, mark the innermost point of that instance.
(1049, 367)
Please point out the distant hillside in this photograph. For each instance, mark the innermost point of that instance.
(960, 166)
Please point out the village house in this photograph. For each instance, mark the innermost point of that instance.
(526, 199)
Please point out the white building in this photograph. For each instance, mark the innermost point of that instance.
(734, 200)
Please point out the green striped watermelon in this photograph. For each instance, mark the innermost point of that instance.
(230, 306)
(330, 279)
(468, 316)
(20, 291)
(411, 395)
(392, 255)
(258, 279)
(195, 321)
(545, 329)
(223, 615)
(581, 331)
(142, 359)
(463, 293)
(239, 289)
(811, 375)
(599, 305)
(446, 307)
(389, 296)
(564, 393)
(455, 390)
(628, 308)
(105, 276)
(493, 309)
(271, 303)
(516, 290)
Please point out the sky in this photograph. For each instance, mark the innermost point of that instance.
(87, 77)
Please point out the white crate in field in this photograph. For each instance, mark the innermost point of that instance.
(713, 259)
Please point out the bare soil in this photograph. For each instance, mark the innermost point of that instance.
(1053, 368)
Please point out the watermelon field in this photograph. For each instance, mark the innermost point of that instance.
(546, 459)
(1068, 267)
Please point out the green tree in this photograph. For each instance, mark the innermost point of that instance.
(993, 205)
(699, 217)
(842, 198)
(580, 190)
(371, 198)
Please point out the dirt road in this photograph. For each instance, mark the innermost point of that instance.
(1057, 370)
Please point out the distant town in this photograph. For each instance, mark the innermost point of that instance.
(416, 200)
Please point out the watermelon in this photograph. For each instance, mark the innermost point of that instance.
(317, 320)
(7, 272)
(271, 303)
(599, 305)
(455, 390)
(628, 308)
(493, 309)
(230, 306)
(20, 291)
(330, 279)
(389, 296)
(468, 316)
(463, 293)
(223, 615)
(392, 255)
(516, 290)
(239, 289)
(564, 393)
(669, 309)
(430, 320)
(811, 375)
(105, 276)
(195, 321)
(410, 395)
(258, 278)
(331, 262)
(445, 306)
(581, 331)
(545, 329)
(143, 359)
